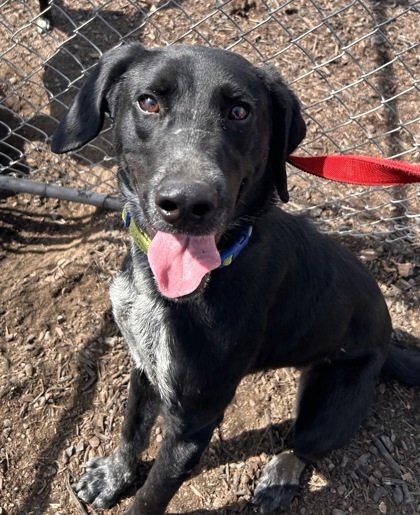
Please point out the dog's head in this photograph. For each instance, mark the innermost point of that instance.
(202, 137)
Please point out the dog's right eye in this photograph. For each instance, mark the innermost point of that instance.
(148, 104)
(238, 112)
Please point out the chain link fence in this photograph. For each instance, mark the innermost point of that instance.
(353, 64)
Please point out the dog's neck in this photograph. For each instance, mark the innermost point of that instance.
(143, 240)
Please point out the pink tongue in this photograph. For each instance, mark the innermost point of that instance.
(180, 262)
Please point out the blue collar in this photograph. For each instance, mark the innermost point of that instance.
(143, 240)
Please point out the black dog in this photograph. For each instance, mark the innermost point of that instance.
(202, 138)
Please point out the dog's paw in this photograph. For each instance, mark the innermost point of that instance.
(105, 479)
(279, 482)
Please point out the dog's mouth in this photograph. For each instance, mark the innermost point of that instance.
(179, 262)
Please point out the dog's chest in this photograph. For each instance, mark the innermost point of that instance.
(141, 318)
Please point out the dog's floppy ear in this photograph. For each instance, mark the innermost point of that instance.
(84, 119)
(289, 129)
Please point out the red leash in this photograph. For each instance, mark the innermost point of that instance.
(361, 170)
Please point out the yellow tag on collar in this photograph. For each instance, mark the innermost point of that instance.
(140, 237)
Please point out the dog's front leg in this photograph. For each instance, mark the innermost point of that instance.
(177, 457)
(106, 478)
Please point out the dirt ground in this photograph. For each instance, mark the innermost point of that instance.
(64, 368)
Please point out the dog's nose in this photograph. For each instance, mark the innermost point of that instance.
(187, 203)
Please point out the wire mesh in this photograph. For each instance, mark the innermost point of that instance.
(352, 63)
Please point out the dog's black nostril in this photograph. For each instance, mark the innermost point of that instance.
(170, 210)
(201, 209)
(168, 206)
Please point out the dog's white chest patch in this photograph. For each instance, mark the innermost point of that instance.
(139, 316)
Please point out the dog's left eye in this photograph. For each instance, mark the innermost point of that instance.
(238, 112)
(148, 104)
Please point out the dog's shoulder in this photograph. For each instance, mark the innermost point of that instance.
(293, 245)
(290, 237)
